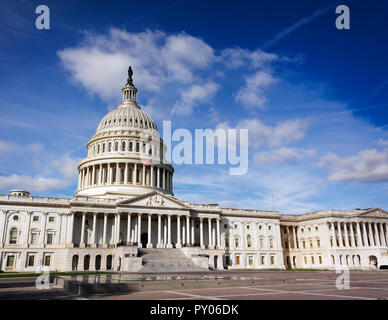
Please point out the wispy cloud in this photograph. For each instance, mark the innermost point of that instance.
(285, 32)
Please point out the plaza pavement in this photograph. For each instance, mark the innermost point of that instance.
(311, 285)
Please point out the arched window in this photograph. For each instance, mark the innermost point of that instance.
(13, 236)
(123, 146)
(116, 146)
(103, 148)
(74, 263)
(98, 262)
(109, 262)
(110, 147)
(130, 146)
(98, 149)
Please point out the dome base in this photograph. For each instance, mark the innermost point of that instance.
(118, 191)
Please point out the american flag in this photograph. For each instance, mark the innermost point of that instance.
(148, 163)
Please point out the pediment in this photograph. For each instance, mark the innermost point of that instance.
(375, 213)
(154, 199)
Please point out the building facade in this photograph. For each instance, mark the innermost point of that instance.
(124, 205)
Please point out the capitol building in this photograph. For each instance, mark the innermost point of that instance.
(124, 217)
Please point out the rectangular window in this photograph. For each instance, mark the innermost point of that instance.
(305, 260)
(250, 261)
(47, 261)
(312, 260)
(272, 260)
(226, 242)
(271, 243)
(311, 243)
(31, 260)
(236, 242)
(51, 219)
(237, 260)
(35, 218)
(262, 260)
(261, 243)
(304, 244)
(320, 259)
(318, 243)
(10, 261)
(50, 237)
(34, 238)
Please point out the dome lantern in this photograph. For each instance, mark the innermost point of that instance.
(129, 91)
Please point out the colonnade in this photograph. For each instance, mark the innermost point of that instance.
(358, 234)
(125, 173)
(185, 227)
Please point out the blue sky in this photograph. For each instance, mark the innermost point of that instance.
(314, 98)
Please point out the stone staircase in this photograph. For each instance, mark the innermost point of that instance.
(166, 260)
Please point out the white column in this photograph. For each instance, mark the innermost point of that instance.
(82, 241)
(134, 178)
(187, 231)
(59, 230)
(152, 176)
(386, 233)
(352, 240)
(341, 242)
(71, 228)
(129, 239)
(377, 238)
(139, 230)
(117, 173)
(149, 242)
(143, 175)
(118, 228)
(100, 176)
(169, 245)
(183, 232)
(346, 235)
(94, 228)
(126, 174)
(159, 231)
(334, 235)
(372, 241)
(218, 234)
(365, 235)
(358, 234)
(29, 214)
(288, 237)
(382, 238)
(209, 223)
(164, 232)
(192, 231)
(93, 176)
(158, 178)
(201, 233)
(104, 244)
(294, 237)
(178, 228)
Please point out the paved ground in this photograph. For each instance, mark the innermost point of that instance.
(319, 285)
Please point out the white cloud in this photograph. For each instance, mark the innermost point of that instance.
(282, 155)
(29, 183)
(251, 95)
(194, 95)
(35, 147)
(282, 133)
(5, 147)
(382, 142)
(369, 165)
(98, 64)
(67, 166)
(238, 57)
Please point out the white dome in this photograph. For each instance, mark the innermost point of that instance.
(125, 155)
(126, 116)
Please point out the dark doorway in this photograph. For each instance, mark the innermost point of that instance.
(74, 262)
(86, 262)
(98, 262)
(144, 239)
(109, 262)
